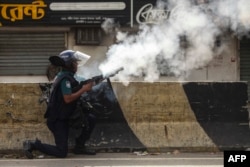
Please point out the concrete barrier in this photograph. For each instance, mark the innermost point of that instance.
(191, 116)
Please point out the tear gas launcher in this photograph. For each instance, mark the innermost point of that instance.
(99, 78)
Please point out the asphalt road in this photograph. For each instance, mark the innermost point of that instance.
(121, 160)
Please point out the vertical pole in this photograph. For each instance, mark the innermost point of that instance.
(131, 13)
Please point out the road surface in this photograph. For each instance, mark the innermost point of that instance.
(121, 160)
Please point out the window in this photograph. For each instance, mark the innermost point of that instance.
(88, 36)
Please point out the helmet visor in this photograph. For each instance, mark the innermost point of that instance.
(82, 58)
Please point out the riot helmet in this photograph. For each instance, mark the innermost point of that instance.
(67, 57)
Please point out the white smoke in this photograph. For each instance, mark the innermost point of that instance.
(158, 48)
(109, 25)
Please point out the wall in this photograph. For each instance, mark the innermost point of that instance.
(223, 67)
(190, 116)
(21, 115)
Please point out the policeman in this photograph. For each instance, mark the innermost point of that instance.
(61, 104)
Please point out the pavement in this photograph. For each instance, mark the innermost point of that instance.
(135, 159)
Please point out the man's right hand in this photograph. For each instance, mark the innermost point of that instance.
(88, 86)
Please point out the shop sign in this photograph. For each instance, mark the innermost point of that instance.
(77, 12)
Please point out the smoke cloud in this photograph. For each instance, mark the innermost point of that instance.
(185, 41)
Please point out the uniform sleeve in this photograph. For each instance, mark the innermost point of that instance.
(66, 87)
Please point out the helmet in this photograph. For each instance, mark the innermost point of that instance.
(67, 57)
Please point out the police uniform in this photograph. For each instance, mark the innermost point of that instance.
(58, 111)
(57, 115)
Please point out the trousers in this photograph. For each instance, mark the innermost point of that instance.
(60, 131)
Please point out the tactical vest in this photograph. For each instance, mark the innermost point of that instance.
(57, 109)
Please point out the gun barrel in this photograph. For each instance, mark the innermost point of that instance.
(99, 78)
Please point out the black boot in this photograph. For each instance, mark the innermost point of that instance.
(28, 147)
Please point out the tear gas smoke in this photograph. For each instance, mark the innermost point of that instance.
(158, 48)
